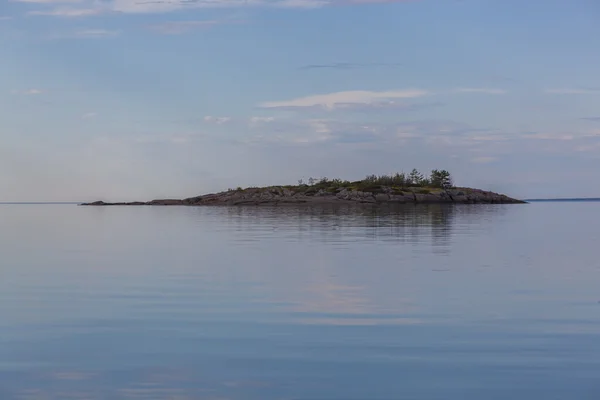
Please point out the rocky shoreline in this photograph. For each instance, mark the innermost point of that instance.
(282, 195)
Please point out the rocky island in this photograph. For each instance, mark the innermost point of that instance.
(386, 189)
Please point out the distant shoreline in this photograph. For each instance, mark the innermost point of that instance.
(39, 202)
(566, 199)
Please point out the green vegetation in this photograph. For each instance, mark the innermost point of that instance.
(398, 184)
(438, 179)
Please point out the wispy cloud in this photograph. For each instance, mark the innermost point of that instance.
(89, 115)
(5, 18)
(71, 12)
(301, 3)
(137, 6)
(354, 98)
(481, 90)
(594, 133)
(387, 105)
(28, 92)
(255, 121)
(594, 147)
(216, 120)
(492, 137)
(181, 27)
(573, 91)
(347, 65)
(48, 1)
(376, 1)
(548, 136)
(322, 130)
(174, 4)
(595, 119)
(314, 131)
(558, 136)
(96, 33)
(97, 7)
(87, 34)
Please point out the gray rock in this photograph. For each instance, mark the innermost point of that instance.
(279, 195)
(382, 197)
(394, 198)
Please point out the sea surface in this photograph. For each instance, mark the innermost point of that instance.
(416, 302)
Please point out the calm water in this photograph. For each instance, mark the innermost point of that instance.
(470, 302)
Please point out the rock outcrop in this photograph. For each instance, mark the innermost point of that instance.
(280, 195)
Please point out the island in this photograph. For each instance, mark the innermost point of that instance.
(400, 188)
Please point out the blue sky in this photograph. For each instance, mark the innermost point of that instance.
(137, 99)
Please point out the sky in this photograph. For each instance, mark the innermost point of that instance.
(142, 99)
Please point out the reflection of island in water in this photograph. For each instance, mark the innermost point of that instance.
(358, 261)
(340, 224)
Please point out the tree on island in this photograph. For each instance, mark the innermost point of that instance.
(416, 178)
(441, 179)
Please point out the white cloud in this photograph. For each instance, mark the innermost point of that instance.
(321, 127)
(254, 121)
(299, 133)
(549, 136)
(89, 115)
(489, 138)
(370, 133)
(571, 136)
(595, 147)
(572, 91)
(180, 27)
(96, 7)
(592, 133)
(28, 92)
(331, 101)
(158, 6)
(96, 33)
(172, 139)
(71, 12)
(481, 90)
(87, 34)
(360, 134)
(302, 3)
(48, 1)
(5, 18)
(164, 6)
(217, 120)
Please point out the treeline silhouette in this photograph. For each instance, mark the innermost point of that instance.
(436, 179)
